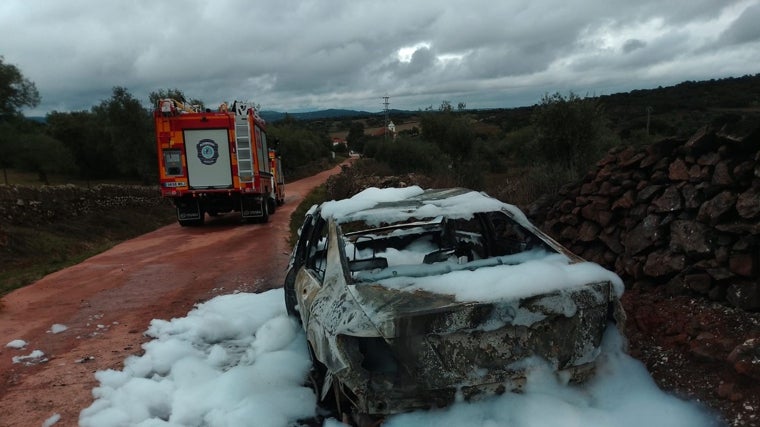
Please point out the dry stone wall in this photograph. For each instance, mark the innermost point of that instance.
(684, 214)
(37, 205)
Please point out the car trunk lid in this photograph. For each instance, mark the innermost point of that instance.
(441, 342)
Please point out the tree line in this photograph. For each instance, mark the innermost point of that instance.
(519, 154)
(555, 143)
(114, 139)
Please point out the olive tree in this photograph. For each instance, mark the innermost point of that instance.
(128, 130)
(43, 155)
(87, 141)
(452, 132)
(570, 132)
(16, 91)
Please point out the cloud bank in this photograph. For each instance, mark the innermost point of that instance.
(300, 55)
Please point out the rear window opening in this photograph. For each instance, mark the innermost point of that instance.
(491, 235)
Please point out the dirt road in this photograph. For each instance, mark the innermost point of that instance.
(108, 301)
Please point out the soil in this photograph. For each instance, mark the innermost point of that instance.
(108, 301)
(698, 350)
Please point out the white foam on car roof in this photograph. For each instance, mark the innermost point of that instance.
(548, 272)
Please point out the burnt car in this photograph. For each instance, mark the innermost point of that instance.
(415, 298)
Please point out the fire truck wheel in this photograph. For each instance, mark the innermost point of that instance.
(265, 210)
(272, 205)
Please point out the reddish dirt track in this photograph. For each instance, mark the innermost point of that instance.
(108, 301)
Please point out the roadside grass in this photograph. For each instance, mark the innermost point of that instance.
(315, 197)
(30, 252)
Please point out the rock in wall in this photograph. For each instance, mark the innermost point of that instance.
(684, 214)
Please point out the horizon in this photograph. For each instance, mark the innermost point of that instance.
(468, 108)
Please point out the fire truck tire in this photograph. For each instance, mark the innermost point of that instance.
(265, 212)
(272, 205)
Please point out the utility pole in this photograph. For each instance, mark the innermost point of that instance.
(385, 110)
(649, 113)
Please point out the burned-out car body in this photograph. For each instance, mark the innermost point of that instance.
(413, 298)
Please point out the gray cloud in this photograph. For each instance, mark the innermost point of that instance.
(633, 44)
(294, 55)
(745, 29)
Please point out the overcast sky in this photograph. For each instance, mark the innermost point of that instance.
(304, 55)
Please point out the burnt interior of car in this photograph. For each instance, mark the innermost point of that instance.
(367, 264)
(461, 241)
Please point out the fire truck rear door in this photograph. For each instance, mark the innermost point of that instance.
(208, 158)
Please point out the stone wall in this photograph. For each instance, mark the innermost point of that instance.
(36, 205)
(684, 214)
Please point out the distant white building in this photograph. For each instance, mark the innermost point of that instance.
(392, 129)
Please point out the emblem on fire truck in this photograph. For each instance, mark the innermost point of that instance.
(208, 151)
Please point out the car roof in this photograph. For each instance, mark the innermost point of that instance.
(375, 205)
(379, 207)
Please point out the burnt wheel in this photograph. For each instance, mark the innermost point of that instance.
(290, 294)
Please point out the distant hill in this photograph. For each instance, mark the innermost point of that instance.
(680, 109)
(333, 113)
(273, 116)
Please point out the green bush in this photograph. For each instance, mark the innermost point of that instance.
(571, 133)
(405, 155)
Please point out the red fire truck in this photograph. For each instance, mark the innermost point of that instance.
(213, 162)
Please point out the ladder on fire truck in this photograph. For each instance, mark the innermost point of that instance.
(243, 142)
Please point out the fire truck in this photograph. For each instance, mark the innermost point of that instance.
(213, 162)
